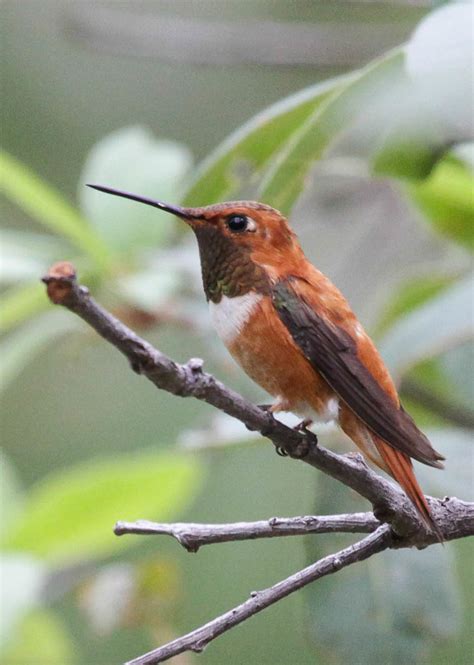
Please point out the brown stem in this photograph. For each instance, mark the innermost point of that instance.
(193, 536)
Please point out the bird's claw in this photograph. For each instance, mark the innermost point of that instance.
(303, 425)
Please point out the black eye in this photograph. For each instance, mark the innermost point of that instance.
(237, 222)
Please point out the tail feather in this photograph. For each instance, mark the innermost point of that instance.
(401, 468)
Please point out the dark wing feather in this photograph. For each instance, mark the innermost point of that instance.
(333, 353)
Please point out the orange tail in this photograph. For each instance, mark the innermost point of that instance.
(401, 468)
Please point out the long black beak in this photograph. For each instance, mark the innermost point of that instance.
(184, 213)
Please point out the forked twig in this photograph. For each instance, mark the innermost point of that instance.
(454, 518)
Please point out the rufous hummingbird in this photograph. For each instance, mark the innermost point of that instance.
(294, 333)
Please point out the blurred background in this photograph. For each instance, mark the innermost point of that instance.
(318, 109)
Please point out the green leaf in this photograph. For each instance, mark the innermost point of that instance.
(47, 206)
(70, 515)
(19, 348)
(287, 177)
(41, 638)
(447, 200)
(254, 145)
(393, 608)
(409, 153)
(440, 324)
(132, 159)
(388, 103)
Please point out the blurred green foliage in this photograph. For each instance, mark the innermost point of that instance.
(391, 619)
(56, 522)
(447, 200)
(42, 638)
(398, 122)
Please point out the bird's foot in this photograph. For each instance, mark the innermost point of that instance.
(303, 425)
(311, 439)
(269, 408)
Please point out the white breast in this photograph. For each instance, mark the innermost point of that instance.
(230, 315)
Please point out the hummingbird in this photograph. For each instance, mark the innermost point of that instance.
(294, 333)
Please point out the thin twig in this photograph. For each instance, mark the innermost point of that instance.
(198, 639)
(454, 517)
(193, 536)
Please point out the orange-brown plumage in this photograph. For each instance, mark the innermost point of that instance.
(268, 354)
(282, 370)
(294, 333)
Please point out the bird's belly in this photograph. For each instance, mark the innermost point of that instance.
(257, 339)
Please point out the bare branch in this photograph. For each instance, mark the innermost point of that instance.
(198, 639)
(454, 518)
(193, 536)
(189, 380)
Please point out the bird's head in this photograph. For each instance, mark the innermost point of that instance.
(244, 245)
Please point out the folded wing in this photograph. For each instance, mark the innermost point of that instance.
(333, 353)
